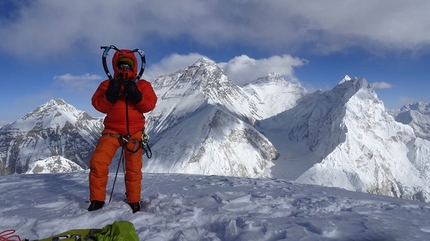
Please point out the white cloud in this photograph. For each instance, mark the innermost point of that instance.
(243, 69)
(74, 82)
(73, 78)
(381, 85)
(170, 64)
(54, 27)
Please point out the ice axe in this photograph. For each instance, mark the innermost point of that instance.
(106, 51)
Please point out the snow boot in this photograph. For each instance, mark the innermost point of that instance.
(135, 206)
(96, 205)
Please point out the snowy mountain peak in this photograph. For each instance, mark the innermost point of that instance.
(348, 88)
(53, 110)
(200, 118)
(57, 102)
(346, 78)
(357, 144)
(272, 94)
(271, 78)
(52, 129)
(201, 75)
(275, 79)
(204, 61)
(202, 82)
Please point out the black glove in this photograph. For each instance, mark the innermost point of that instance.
(113, 91)
(133, 92)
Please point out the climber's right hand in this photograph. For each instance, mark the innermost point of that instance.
(113, 91)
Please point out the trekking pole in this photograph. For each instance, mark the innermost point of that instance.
(121, 159)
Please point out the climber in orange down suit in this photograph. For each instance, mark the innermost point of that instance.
(124, 100)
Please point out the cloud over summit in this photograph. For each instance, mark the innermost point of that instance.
(278, 25)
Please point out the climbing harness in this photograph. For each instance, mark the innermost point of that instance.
(143, 143)
(124, 140)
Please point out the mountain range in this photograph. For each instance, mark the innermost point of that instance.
(205, 124)
(53, 129)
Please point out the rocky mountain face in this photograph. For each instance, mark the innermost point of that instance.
(53, 129)
(205, 124)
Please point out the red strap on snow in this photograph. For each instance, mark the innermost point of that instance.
(8, 235)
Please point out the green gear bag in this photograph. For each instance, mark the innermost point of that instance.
(118, 231)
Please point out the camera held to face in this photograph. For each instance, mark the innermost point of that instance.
(125, 72)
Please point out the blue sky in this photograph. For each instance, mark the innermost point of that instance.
(51, 49)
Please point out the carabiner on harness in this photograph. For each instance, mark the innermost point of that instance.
(145, 145)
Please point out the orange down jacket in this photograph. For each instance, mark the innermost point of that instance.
(116, 114)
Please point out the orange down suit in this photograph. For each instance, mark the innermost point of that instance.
(124, 118)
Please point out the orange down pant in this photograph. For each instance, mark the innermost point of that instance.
(99, 168)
